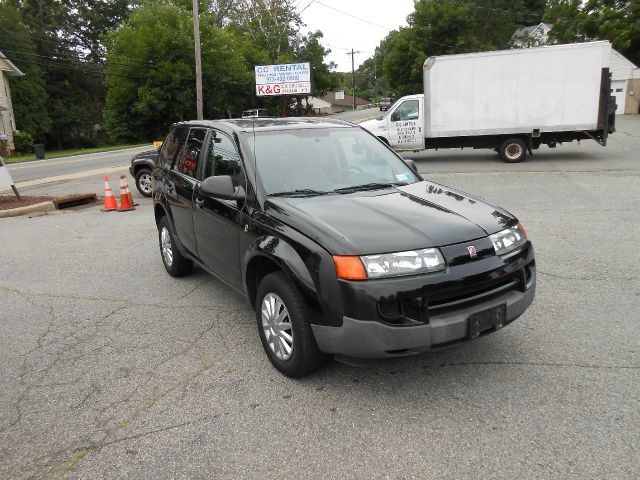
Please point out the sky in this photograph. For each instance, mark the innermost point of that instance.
(342, 32)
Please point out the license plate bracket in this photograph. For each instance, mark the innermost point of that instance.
(493, 317)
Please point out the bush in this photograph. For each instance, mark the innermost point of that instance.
(23, 141)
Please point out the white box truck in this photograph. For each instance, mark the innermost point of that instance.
(512, 101)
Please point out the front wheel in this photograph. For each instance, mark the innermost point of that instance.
(283, 316)
(143, 182)
(513, 150)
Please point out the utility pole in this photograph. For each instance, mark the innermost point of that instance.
(353, 79)
(375, 73)
(196, 39)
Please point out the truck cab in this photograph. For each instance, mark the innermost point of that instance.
(402, 126)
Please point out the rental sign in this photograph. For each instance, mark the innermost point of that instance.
(287, 79)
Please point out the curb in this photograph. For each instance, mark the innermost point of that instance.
(36, 208)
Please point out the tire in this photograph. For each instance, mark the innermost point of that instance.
(513, 150)
(294, 351)
(173, 261)
(143, 182)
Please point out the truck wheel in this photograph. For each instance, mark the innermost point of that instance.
(175, 264)
(513, 150)
(143, 181)
(283, 324)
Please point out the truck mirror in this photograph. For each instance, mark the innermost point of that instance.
(395, 117)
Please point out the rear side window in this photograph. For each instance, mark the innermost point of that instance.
(172, 144)
(223, 158)
(187, 161)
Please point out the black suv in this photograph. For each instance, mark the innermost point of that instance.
(339, 245)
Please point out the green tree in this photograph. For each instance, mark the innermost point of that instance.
(615, 20)
(442, 27)
(269, 33)
(28, 93)
(144, 100)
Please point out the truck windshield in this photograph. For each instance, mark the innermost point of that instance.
(321, 160)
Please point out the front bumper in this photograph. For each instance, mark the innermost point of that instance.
(370, 338)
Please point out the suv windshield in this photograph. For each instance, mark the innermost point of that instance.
(315, 161)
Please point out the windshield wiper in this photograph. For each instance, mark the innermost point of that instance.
(300, 192)
(368, 186)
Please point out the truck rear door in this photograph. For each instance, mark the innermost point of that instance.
(405, 125)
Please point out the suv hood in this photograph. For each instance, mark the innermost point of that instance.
(419, 215)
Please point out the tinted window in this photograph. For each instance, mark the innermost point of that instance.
(172, 144)
(187, 161)
(324, 159)
(223, 158)
(408, 110)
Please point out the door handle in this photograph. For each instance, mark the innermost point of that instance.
(199, 202)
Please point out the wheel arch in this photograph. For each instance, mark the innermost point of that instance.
(159, 211)
(144, 164)
(270, 254)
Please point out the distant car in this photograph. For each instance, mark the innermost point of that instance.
(385, 103)
(255, 113)
(141, 166)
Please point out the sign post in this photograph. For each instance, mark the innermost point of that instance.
(6, 180)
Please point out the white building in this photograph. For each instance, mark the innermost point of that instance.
(623, 71)
(533, 36)
(7, 120)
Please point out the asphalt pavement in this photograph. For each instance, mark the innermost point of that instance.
(112, 369)
(41, 172)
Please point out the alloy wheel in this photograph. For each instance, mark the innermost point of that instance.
(278, 330)
(165, 245)
(145, 183)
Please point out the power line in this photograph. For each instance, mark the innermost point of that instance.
(84, 70)
(352, 16)
(69, 53)
(308, 5)
(67, 59)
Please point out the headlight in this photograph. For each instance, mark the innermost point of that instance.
(508, 239)
(403, 263)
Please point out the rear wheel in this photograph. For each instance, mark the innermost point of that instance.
(283, 316)
(175, 264)
(513, 150)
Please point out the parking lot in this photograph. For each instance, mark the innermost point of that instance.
(110, 368)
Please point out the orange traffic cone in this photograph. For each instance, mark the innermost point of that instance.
(109, 200)
(126, 185)
(125, 202)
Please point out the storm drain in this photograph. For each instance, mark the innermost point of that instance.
(71, 201)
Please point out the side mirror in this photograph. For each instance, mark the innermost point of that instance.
(412, 165)
(221, 186)
(395, 117)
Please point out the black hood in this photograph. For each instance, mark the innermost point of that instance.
(149, 154)
(419, 215)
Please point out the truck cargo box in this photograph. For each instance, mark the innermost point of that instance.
(549, 89)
